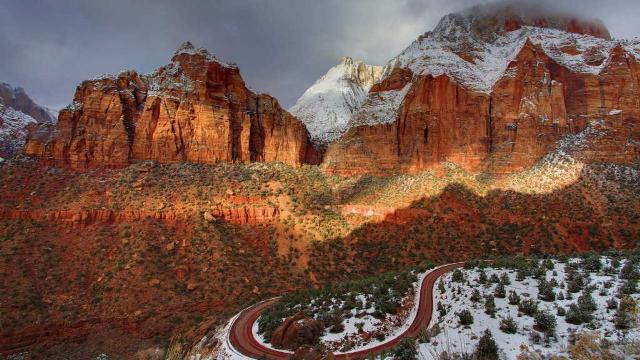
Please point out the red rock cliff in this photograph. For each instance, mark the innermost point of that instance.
(528, 110)
(196, 109)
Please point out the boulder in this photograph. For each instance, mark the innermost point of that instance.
(296, 331)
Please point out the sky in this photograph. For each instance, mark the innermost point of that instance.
(281, 46)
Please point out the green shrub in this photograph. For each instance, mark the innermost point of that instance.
(487, 349)
(406, 350)
(465, 318)
(528, 307)
(475, 296)
(509, 325)
(489, 305)
(575, 315)
(504, 279)
(514, 298)
(457, 276)
(545, 322)
(545, 291)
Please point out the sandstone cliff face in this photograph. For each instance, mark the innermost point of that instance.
(196, 109)
(499, 110)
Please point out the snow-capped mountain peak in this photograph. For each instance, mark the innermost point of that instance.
(325, 108)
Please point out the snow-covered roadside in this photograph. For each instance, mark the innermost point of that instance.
(370, 324)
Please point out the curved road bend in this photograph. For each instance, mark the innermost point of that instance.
(242, 339)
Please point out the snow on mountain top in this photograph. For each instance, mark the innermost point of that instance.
(488, 20)
(188, 48)
(442, 52)
(327, 105)
(478, 63)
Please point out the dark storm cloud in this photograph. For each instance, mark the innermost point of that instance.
(281, 46)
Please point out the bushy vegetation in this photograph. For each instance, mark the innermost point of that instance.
(331, 303)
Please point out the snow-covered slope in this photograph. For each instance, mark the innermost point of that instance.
(573, 286)
(13, 133)
(328, 104)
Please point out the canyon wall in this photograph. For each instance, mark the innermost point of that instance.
(196, 109)
(530, 109)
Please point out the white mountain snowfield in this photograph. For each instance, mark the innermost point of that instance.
(327, 105)
(323, 107)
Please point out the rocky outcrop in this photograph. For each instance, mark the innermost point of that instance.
(242, 215)
(17, 98)
(296, 331)
(196, 109)
(18, 114)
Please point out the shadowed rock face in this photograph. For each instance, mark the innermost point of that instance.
(18, 99)
(18, 113)
(196, 109)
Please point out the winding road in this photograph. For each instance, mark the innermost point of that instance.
(242, 339)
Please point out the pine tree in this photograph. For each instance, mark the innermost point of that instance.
(465, 318)
(504, 279)
(489, 306)
(509, 325)
(475, 296)
(487, 349)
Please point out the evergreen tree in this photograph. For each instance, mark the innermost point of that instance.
(545, 291)
(465, 318)
(406, 350)
(504, 279)
(514, 298)
(489, 305)
(487, 349)
(509, 325)
(475, 296)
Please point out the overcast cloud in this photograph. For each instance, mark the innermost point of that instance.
(281, 46)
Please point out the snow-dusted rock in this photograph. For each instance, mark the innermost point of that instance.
(17, 113)
(508, 85)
